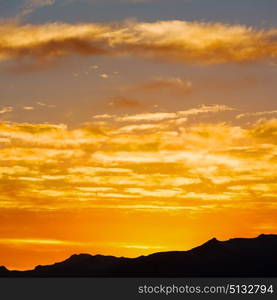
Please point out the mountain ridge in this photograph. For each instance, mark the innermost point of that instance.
(236, 257)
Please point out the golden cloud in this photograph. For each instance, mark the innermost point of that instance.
(142, 166)
(179, 115)
(6, 110)
(185, 42)
(123, 102)
(267, 130)
(172, 84)
(256, 114)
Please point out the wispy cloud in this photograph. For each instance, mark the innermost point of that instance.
(30, 6)
(256, 114)
(155, 116)
(205, 109)
(6, 109)
(184, 42)
(161, 116)
(39, 103)
(104, 76)
(28, 108)
(36, 242)
(171, 84)
(124, 102)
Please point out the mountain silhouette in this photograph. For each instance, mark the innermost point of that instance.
(239, 257)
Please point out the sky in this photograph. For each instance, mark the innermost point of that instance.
(129, 127)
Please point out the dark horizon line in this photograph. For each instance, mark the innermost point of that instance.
(213, 240)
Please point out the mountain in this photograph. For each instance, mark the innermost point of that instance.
(239, 257)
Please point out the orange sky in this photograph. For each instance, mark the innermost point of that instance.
(133, 184)
(131, 137)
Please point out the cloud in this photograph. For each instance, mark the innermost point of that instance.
(104, 116)
(45, 105)
(162, 116)
(141, 127)
(28, 108)
(256, 114)
(156, 116)
(266, 130)
(5, 110)
(171, 84)
(30, 6)
(104, 76)
(138, 166)
(205, 109)
(35, 241)
(123, 102)
(176, 41)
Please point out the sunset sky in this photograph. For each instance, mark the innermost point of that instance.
(129, 127)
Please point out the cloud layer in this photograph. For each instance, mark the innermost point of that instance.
(180, 41)
(151, 162)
